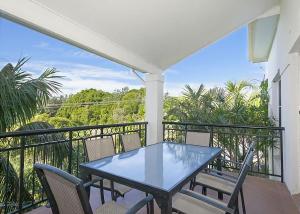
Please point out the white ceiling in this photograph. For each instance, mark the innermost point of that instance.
(147, 35)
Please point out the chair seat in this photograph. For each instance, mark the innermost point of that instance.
(215, 182)
(111, 208)
(190, 205)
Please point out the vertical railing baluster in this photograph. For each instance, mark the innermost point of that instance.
(185, 132)
(21, 174)
(70, 152)
(281, 154)
(164, 129)
(6, 182)
(266, 153)
(145, 135)
(33, 177)
(272, 153)
(211, 140)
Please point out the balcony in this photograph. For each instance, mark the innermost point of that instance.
(264, 190)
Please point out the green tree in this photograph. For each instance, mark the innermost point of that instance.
(21, 97)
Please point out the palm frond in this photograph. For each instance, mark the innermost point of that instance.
(22, 95)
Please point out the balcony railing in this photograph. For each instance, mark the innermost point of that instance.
(63, 148)
(268, 160)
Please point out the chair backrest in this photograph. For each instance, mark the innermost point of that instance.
(198, 138)
(97, 148)
(241, 178)
(65, 192)
(251, 148)
(131, 141)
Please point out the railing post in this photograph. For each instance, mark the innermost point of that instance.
(70, 152)
(21, 178)
(185, 130)
(211, 140)
(281, 158)
(145, 134)
(164, 129)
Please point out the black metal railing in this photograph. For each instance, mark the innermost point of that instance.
(63, 148)
(268, 159)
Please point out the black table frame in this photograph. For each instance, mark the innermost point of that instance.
(163, 198)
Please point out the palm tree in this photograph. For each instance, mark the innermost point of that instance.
(21, 97)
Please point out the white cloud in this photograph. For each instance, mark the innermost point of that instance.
(46, 46)
(82, 54)
(78, 76)
(75, 85)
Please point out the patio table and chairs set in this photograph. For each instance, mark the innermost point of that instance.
(166, 172)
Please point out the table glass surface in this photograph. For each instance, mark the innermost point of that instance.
(161, 165)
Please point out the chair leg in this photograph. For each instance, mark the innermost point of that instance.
(204, 190)
(102, 192)
(151, 207)
(112, 191)
(237, 206)
(191, 184)
(148, 208)
(243, 201)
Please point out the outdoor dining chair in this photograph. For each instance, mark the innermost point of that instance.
(221, 181)
(98, 147)
(197, 138)
(67, 195)
(188, 201)
(131, 141)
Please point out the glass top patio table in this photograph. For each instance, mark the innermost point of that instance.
(160, 169)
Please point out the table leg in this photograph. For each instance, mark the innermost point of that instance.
(85, 178)
(165, 204)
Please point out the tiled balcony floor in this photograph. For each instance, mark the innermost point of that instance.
(262, 197)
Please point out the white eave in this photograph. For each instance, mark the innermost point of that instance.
(261, 34)
(149, 36)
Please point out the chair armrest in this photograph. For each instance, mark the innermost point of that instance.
(224, 177)
(92, 182)
(139, 205)
(207, 200)
(222, 173)
(231, 161)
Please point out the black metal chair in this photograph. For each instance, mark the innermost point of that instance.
(221, 181)
(188, 201)
(67, 195)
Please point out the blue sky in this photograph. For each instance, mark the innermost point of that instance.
(213, 66)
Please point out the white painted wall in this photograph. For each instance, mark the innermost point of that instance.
(288, 63)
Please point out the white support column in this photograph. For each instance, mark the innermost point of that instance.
(154, 107)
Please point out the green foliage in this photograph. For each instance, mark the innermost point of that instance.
(238, 103)
(91, 107)
(21, 95)
(56, 121)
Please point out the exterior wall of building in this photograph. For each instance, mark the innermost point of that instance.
(287, 64)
